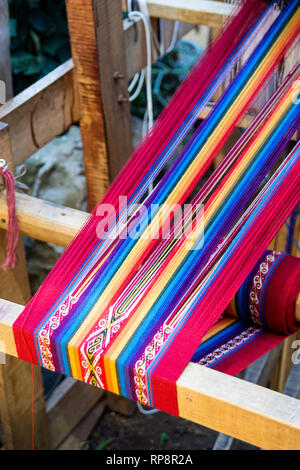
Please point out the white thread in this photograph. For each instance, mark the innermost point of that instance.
(146, 412)
(135, 15)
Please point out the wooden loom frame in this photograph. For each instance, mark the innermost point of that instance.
(68, 95)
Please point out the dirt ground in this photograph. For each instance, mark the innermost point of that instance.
(159, 431)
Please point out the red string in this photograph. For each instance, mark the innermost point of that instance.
(12, 224)
(32, 404)
(11, 256)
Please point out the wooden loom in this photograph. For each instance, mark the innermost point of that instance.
(70, 94)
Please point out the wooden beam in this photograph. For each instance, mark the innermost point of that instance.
(9, 312)
(69, 396)
(113, 81)
(238, 408)
(202, 12)
(227, 404)
(41, 112)
(78, 437)
(44, 220)
(84, 52)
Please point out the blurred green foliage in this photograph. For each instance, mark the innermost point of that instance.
(167, 74)
(39, 39)
(40, 42)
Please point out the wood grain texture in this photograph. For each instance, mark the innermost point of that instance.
(79, 435)
(202, 12)
(44, 220)
(41, 112)
(9, 312)
(115, 103)
(16, 408)
(67, 406)
(238, 408)
(84, 52)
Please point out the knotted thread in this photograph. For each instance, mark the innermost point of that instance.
(12, 223)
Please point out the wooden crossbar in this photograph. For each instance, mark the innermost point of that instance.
(204, 12)
(44, 220)
(227, 404)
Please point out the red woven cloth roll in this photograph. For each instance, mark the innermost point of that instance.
(282, 293)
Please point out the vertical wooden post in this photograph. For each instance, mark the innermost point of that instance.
(98, 50)
(84, 52)
(5, 66)
(16, 375)
(113, 81)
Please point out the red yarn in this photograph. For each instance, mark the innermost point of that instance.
(32, 404)
(12, 226)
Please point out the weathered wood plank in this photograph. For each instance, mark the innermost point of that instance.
(9, 312)
(202, 12)
(68, 396)
(41, 112)
(84, 52)
(114, 82)
(80, 434)
(240, 409)
(44, 220)
(16, 406)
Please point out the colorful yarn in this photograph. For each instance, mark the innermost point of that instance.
(127, 313)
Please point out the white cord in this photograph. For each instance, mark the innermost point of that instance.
(133, 15)
(134, 82)
(162, 37)
(141, 78)
(174, 37)
(146, 412)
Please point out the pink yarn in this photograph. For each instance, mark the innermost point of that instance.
(12, 225)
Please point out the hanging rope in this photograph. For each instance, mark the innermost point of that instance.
(12, 223)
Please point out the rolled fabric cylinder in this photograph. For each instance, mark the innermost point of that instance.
(267, 298)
